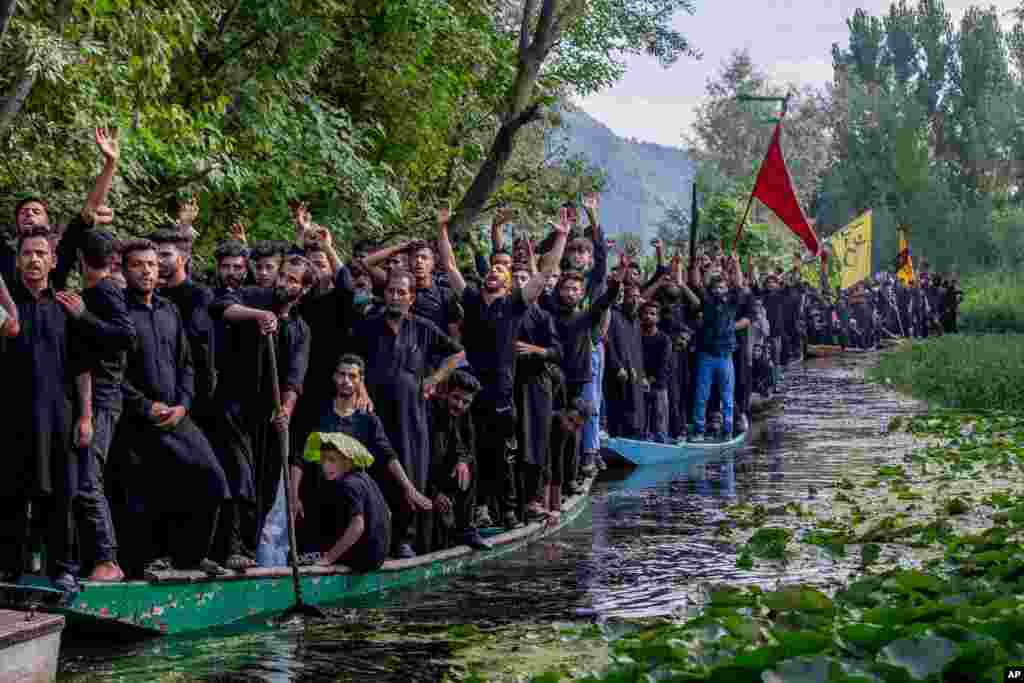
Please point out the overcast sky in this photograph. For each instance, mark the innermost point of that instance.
(790, 40)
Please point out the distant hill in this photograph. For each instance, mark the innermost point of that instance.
(643, 178)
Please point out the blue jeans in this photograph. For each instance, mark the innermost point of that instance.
(712, 369)
(272, 550)
(592, 393)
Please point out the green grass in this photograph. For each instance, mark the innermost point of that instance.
(969, 372)
(993, 302)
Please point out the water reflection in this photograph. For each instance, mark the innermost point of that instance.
(649, 544)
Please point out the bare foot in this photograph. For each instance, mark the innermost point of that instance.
(107, 572)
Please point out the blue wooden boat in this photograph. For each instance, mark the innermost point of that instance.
(634, 452)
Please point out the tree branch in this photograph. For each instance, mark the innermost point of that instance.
(529, 6)
(7, 8)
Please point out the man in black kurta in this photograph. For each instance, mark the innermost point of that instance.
(656, 349)
(492, 316)
(538, 376)
(249, 449)
(396, 347)
(44, 363)
(624, 369)
(177, 485)
(193, 301)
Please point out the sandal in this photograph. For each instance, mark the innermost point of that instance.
(240, 563)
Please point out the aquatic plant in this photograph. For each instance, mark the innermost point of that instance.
(954, 613)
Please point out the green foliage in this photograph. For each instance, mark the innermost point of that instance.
(993, 302)
(926, 133)
(984, 372)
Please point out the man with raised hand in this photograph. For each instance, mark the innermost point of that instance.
(492, 317)
(34, 212)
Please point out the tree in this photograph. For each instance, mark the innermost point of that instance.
(585, 39)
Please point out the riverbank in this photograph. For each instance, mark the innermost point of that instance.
(965, 372)
(993, 303)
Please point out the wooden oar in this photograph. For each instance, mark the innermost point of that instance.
(300, 607)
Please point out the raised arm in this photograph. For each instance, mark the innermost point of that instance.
(444, 246)
(503, 216)
(533, 289)
(110, 146)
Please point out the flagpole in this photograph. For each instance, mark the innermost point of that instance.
(750, 201)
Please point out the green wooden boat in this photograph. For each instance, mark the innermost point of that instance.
(175, 602)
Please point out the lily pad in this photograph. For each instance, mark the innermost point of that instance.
(798, 598)
(802, 670)
(921, 657)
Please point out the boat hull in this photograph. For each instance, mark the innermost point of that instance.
(29, 646)
(635, 452)
(181, 602)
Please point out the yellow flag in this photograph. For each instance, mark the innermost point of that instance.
(904, 261)
(851, 246)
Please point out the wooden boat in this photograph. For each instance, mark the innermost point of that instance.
(174, 602)
(894, 343)
(823, 350)
(634, 452)
(29, 645)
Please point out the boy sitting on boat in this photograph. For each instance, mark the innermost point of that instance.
(353, 507)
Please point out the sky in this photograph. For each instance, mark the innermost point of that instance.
(790, 40)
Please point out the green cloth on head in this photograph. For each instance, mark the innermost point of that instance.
(343, 443)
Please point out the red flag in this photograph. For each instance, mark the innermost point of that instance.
(775, 190)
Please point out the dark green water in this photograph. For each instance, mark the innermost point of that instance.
(648, 546)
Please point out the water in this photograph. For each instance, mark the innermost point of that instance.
(649, 546)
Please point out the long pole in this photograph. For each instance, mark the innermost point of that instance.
(750, 200)
(694, 220)
(293, 557)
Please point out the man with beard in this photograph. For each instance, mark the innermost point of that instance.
(624, 371)
(327, 309)
(346, 415)
(492, 317)
(45, 365)
(575, 331)
(266, 321)
(454, 467)
(396, 347)
(538, 378)
(109, 333)
(193, 301)
(34, 212)
(232, 265)
(716, 344)
(176, 485)
(657, 364)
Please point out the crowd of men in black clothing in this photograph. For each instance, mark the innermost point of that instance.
(157, 405)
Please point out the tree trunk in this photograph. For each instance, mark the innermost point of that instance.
(7, 8)
(489, 175)
(13, 103)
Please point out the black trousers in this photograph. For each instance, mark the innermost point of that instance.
(744, 381)
(91, 507)
(496, 478)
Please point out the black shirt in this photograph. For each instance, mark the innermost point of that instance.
(575, 332)
(489, 335)
(159, 366)
(357, 494)
(657, 359)
(193, 302)
(243, 371)
(437, 304)
(367, 429)
(109, 333)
